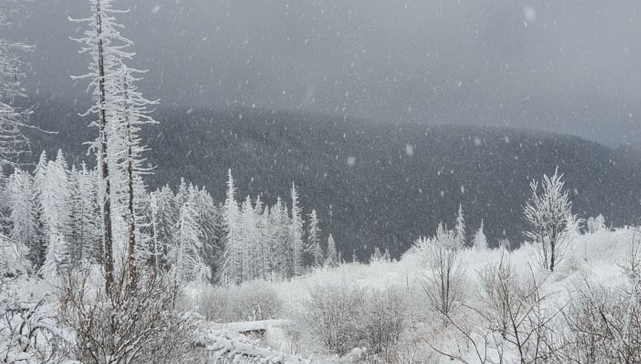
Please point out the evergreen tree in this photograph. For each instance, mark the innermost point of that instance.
(248, 240)
(232, 266)
(55, 196)
(185, 257)
(23, 215)
(480, 241)
(296, 235)
(279, 254)
(39, 246)
(331, 257)
(262, 238)
(213, 227)
(377, 256)
(459, 228)
(314, 247)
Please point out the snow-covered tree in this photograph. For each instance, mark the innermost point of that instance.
(12, 118)
(377, 256)
(232, 266)
(459, 228)
(55, 201)
(596, 224)
(126, 126)
(24, 218)
(85, 232)
(480, 241)
(331, 256)
(296, 235)
(314, 248)
(443, 281)
(249, 240)
(164, 215)
(107, 49)
(185, 257)
(549, 215)
(213, 227)
(262, 246)
(278, 252)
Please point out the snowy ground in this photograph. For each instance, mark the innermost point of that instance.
(597, 258)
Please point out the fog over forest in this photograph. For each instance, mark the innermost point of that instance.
(566, 66)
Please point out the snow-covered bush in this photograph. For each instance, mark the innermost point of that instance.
(333, 314)
(513, 320)
(384, 314)
(252, 301)
(603, 325)
(128, 324)
(344, 317)
(29, 333)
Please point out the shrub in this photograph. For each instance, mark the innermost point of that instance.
(344, 317)
(253, 301)
(127, 324)
(604, 326)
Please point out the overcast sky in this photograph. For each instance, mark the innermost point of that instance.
(569, 66)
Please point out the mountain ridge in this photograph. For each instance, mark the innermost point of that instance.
(374, 184)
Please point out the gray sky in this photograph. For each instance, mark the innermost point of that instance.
(570, 66)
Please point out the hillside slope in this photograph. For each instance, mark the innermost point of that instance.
(373, 184)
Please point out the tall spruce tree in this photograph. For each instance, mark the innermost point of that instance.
(331, 256)
(296, 235)
(314, 247)
(232, 266)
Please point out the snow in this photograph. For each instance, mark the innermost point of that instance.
(596, 256)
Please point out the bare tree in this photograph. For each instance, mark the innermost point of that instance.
(518, 321)
(12, 119)
(443, 278)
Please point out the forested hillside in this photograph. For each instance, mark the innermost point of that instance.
(373, 184)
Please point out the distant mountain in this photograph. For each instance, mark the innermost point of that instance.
(373, 184)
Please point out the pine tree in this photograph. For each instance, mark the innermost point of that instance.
(331, 257)
(249, 240)
(23, 215)
(480, 241)
(387, 256)
(55, 197)
(459, 228)
(262, 247)
(377, 256)
(314, 247)
(39, 245)
(232, 266)
(185, 258)
(279, 257)
(296, 235)
(210, 220)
